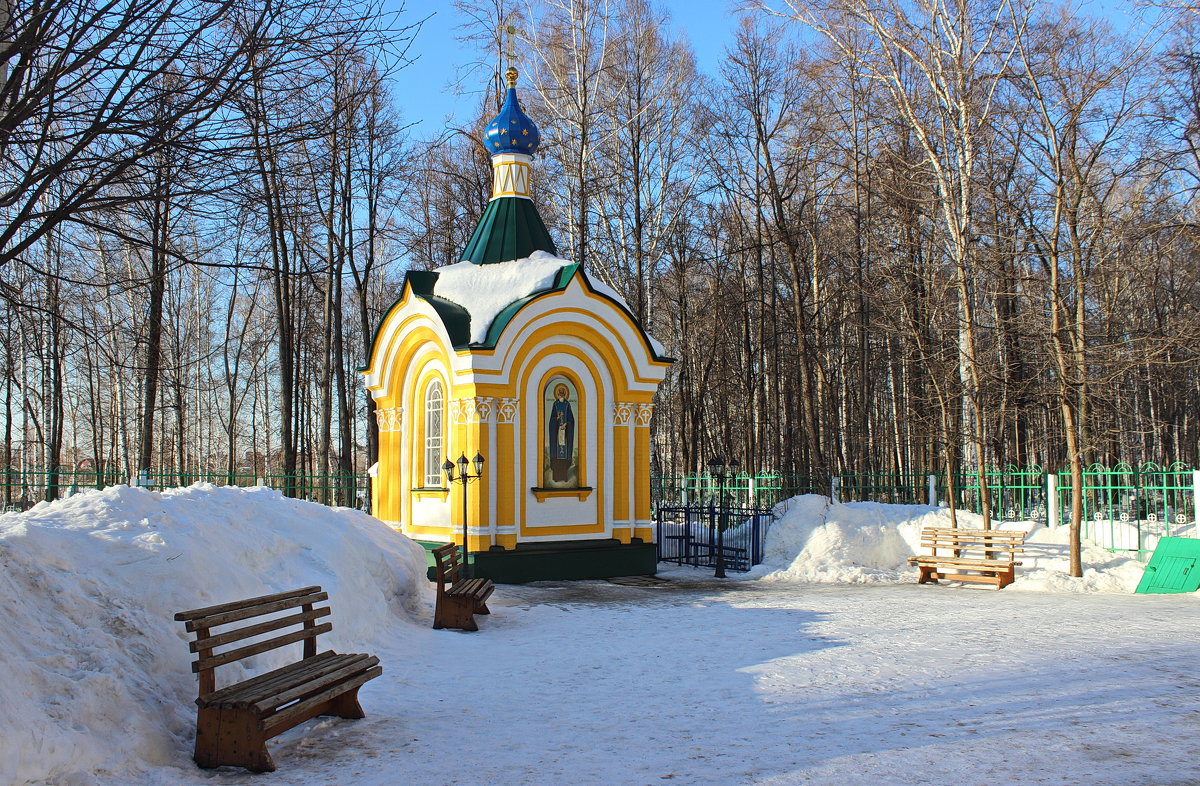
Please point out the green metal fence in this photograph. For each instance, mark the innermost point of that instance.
(21, 489)
(1016, 493)
(911, 488)
(1127, 508)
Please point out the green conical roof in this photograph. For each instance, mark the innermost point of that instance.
(509, 229)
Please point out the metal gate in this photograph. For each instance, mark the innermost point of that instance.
(700, 535)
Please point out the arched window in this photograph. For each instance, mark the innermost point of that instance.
(434, 409)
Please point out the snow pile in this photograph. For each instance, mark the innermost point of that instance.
(486, 290)
(97, 672)
(817, 541)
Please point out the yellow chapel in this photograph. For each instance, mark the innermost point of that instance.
(520, 359)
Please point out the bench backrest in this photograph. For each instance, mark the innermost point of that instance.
(448, 560)
(975, 539)
(300, 626)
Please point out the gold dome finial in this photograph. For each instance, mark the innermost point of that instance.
(511, 76)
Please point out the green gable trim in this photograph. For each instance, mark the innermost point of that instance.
(510, 228)
(455, 318)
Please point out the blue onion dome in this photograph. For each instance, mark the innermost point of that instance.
(512, 131)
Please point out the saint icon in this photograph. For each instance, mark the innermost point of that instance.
(560, 434)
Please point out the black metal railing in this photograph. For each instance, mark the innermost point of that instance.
(705, 536)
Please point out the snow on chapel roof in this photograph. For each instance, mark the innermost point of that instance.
(486, 290)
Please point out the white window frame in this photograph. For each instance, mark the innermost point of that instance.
(435, 419)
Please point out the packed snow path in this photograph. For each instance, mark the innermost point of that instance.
(737, 682)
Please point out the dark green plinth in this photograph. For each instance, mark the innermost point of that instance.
(572, 559)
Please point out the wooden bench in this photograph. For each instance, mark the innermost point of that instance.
(995, 564)
(459, 599)
(234, 723)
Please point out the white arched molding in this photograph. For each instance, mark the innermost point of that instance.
(404, 319)
(641, 372)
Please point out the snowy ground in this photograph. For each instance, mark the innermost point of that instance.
(828, 665)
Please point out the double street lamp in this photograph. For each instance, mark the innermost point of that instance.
(721, 469)
(464, 477)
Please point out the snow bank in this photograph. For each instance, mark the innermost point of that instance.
(485, 290)
(97, 673)
(817, 541)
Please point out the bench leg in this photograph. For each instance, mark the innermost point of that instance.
(346, 706)
(1005, 577)
(454, 613)
(928, 575)
(231, 737)
(481, 607)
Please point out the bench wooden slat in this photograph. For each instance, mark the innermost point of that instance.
(996, 541)
(233, 695)
(999, 544)
(311, 707)
(982, 534)
(243, 693)
(246, 612)
(970, 577)
(975, 533)
(209, 611)
(249, 631)
(334, 673)
(260, 647)
(1008, 552)
(471, 587)
(984, 563)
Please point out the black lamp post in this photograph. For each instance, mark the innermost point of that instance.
(719, 468)
(464, 476)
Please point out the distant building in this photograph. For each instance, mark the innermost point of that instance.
(520, 356)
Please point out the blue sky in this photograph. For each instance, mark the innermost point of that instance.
(424, 91)
(427, 98)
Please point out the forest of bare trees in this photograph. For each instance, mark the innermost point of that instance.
(883, 236)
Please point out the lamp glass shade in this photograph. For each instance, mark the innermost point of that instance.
(462, 465)
(478, 462)
(715, 464)
(448, 468)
